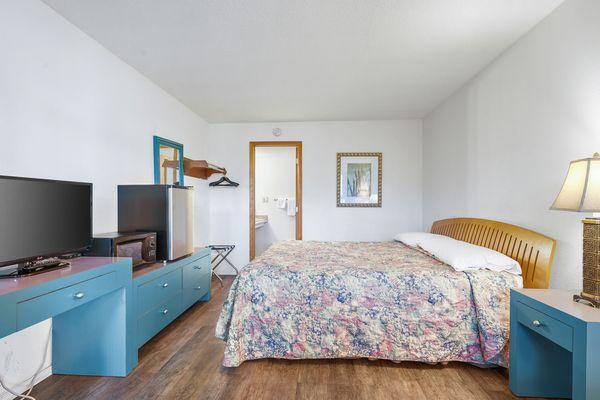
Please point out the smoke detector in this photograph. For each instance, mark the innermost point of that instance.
(277, 132)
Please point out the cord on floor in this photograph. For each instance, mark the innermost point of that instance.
(27, 396)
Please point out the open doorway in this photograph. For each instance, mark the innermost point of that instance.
(275, 194)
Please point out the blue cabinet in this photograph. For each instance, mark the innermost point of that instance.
(544, 325)
(102, 311)
(554, 345)
(196, 281)
(152, 322)
(40, 308)
(163, 291)
(150, 294)
(93, 328)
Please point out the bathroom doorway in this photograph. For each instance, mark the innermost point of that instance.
(275, 194)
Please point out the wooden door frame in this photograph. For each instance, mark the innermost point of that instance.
(253, 146)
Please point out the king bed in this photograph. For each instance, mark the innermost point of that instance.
(384, 300)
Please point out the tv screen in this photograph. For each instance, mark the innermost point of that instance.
(43, 218)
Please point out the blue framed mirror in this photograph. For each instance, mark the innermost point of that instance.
(168, 162)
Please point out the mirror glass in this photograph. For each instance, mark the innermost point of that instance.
(169, 165)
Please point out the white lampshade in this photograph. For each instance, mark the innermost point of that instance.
(581, 189)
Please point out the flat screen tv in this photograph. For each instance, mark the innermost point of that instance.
(42, 218)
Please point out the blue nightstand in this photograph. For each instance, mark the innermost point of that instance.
(554, 345)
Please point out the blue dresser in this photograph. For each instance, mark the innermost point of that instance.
(93, 328)
(163, 291)
(554, 345)
(102, 311)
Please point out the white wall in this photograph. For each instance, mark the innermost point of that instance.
(499, 148)
(71, 110)
(275, 177)
(399, 141)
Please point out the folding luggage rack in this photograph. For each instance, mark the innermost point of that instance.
(223, 251)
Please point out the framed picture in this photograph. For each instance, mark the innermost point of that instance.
(359, 179)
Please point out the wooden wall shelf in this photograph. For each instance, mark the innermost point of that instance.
(201, 169)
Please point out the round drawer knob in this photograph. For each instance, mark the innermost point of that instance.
(165, 285)
(79, 295)
(165, 311)
(536, 323)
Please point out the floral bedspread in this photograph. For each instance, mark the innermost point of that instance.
(304, 299)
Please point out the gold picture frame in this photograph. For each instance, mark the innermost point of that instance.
(359, 182)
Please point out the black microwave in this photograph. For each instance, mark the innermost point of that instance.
(140, 246)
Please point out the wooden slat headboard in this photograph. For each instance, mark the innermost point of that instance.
(532, 250)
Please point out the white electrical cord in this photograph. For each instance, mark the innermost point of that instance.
(27, 396)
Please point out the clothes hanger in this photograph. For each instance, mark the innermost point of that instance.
(224, 181)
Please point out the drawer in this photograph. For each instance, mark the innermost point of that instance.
(155, 292)
(196, 269)
(32, 311)
(193, 291)
(552, 329)
(156, 319)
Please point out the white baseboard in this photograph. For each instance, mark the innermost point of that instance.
(24, 386)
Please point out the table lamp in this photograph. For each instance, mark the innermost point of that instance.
(581, 192)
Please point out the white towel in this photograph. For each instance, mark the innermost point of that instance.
(291, 207)
(281, 202)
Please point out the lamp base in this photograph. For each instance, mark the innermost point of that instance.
(582, 298)
(591, 263)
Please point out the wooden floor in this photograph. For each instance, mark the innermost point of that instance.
(184, 362)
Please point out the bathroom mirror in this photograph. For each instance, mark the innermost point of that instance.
(168, 161)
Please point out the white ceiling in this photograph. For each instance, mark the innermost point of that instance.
(302, 60)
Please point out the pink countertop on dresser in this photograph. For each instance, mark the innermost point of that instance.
(78, 265)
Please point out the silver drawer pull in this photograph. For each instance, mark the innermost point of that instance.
(199, 288)
(165, 285)
(165, 311)
(536, 323)
(79, 295)
(197, 267)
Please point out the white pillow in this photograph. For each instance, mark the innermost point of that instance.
(413, 239)
(461, 256)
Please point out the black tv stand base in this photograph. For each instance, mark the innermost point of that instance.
(32, 268)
